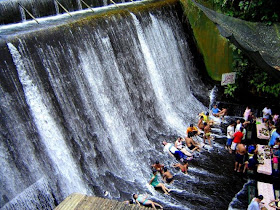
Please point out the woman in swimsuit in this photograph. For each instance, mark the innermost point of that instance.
(142, 199)
(155, 183)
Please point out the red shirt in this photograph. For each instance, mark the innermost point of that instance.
(237, 137)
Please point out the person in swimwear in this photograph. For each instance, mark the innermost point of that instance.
(183, 167)
(179, 145)
(239, 157)
(167, 176)
(142, 199)
(158, 167)
(155, 183)
(191, 144)
(207, 133)
(200, 124)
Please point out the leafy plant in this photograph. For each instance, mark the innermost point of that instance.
(230, 89)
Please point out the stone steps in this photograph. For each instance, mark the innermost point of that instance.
(78, 201)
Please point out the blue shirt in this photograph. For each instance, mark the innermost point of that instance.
(273, 138)
(254, 205)
(215, 110)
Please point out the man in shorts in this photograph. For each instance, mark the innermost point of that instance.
(191, 144)
(239, 156)
(207, 133)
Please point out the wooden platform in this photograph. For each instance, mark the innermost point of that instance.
(77, 201)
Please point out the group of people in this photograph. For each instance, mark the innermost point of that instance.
(183, 148)
(246, 150)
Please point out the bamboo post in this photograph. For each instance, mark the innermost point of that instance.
(28, 12)
(63, 8)
(114, 3)
(87, 5)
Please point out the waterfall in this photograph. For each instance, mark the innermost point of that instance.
(79, 3)
(85, 107)
(56, 6)
(22, 12)
(49, 132)
(212, 97)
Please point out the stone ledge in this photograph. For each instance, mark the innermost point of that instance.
(78, 201)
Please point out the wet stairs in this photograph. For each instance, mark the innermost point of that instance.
(78, 201)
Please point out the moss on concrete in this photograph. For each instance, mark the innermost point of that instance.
(217, 54)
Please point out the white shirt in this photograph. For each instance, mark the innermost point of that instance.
(244, 134)
(169, 147)
(230, 132)
(179, 144)
(266, 113)
(238, 126)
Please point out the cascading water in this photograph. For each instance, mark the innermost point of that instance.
(85, 109)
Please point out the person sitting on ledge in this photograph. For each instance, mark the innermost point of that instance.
(179, 145)
(167, 176)
(215, 110)
(158, 167)
(155, 183)
(142, 199)
(191, 131)
(191, 144)
(183, 167)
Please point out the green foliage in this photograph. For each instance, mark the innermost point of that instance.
(230, 90)
(251, 78)
(252, 10)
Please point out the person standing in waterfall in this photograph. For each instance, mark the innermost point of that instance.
(207, 133)
(200, 124)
